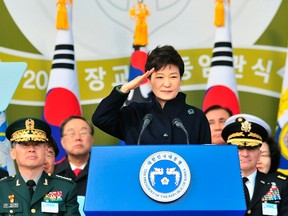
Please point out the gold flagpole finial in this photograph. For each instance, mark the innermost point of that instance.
(62, 15)
(219, 19)
(139, 12)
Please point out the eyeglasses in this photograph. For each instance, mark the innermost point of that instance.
(82, 133)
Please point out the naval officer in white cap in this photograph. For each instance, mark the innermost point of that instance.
(265, 194)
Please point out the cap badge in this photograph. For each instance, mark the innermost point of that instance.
(30, 132)
(29, 124)
(246, 126)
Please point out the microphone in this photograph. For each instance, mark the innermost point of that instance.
(146, 121)
(178, 123)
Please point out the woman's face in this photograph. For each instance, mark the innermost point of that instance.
(165, 83)
(264, 162)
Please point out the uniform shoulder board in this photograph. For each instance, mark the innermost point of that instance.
(280, 176)
(63, 177)
(7, 178)
(3, 178)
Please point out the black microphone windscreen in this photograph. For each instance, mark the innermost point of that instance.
(146, 121)
(178, 123)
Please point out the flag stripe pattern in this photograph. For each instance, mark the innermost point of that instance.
(222, 54)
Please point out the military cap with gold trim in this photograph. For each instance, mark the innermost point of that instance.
(245, 130)
(28, 129)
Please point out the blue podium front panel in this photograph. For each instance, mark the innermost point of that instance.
(114, 187)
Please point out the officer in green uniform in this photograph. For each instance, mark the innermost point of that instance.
(32, 191)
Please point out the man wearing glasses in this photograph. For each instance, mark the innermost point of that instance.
(77, 140)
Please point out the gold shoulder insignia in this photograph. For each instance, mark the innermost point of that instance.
(62, 177)
(281, 177)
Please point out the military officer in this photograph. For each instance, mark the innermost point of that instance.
(32, 191)
(265, 194)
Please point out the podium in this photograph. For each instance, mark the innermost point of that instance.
(115, 181)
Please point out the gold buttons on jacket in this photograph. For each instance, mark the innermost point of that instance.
(11, 211)
(33, 211)
(249, 212)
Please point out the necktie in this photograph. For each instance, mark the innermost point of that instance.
(77, 171)
(246, 191)
(30, 184)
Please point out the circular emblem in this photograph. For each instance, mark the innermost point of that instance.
(164, 176)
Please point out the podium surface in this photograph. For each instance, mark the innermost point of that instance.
(114, 187)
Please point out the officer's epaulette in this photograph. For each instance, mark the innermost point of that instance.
(63, 177)
(7, 178)
(283, 177)
(3, 178)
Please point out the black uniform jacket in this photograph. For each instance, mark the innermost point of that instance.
(64, 169)
(126, 122)
(3, 173)
(270, 188)
(15, 197)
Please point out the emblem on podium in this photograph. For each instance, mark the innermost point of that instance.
(164, 176)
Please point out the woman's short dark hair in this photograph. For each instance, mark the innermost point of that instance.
(160, 57)
(274, 154)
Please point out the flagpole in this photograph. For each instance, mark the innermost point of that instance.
(139, 12)
(221, 83)
(62, 96)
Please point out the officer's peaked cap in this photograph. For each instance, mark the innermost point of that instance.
(28, 129)
(245, 130)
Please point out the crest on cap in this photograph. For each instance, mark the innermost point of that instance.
(245, 126)
(28, 129)
(245, 130)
